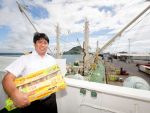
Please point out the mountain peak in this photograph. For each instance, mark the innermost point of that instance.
(74, 50)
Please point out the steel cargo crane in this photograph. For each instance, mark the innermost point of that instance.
(118, 34)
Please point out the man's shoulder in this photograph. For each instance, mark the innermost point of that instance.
(27, 53)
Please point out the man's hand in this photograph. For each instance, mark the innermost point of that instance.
(20, 99)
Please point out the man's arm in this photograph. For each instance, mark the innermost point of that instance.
(20, 100)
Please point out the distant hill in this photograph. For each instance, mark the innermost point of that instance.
(74, 50)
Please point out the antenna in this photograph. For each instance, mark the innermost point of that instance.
(65, 43)
(79, 42)
(22, 11)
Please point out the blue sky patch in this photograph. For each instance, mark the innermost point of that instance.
(4, 31)
(39, 12)
(95, 6)
(49, 0)
(0, 6)
(80, 21)
(101, 33)
(105, 8)
(80, 8)
(71, 38)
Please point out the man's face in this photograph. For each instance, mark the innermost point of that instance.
(41, 46)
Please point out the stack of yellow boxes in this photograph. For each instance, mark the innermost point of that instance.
(118, 72)
(43, 83)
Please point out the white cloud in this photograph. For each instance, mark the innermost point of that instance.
(70, 16)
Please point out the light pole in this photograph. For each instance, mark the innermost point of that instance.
(129, 49)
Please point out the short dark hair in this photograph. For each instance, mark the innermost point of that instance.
(38, 36)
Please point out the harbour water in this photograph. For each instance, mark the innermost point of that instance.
(69, 58)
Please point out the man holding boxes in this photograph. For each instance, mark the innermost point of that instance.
(26, 65)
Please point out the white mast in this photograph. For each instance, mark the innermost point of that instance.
(86, 38)
(64, 45)
(58, 40)
(97, 46)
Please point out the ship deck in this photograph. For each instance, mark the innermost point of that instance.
(96, 75)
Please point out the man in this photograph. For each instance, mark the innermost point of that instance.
(25, 65)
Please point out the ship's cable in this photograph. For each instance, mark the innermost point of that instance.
(26, 26)
(117, 44)
(80, 101)
(133, 27)
(41, 19)
(75, 1)
(120, 12)
(49, 32)
(129, 7)
(139, 30)
(141, 27)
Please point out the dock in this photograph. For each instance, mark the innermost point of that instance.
(131, 68)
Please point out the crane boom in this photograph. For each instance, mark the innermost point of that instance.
(118, 34)
(31, 24)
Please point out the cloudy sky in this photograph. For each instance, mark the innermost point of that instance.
(106, 18)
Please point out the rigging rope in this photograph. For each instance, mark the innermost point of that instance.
(119, 12)
(139, 29)
(117, 44)
(41, 19)
(52, 34)
(134, 26)
(130, 7)
(26, 26)
(80, 1)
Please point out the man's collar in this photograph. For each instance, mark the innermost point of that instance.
(35, 53)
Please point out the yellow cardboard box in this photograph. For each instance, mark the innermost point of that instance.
(43, 83)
